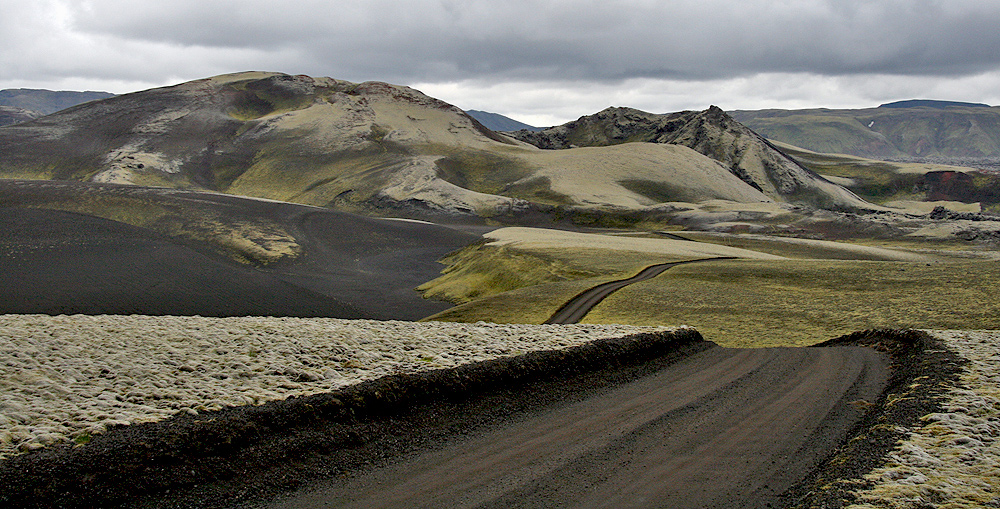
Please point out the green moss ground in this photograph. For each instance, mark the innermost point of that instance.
(481, 270)
(798, 302)
(875, 181)
(794, 302)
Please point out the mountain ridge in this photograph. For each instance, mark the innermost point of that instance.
(378, 148)
(931, 103)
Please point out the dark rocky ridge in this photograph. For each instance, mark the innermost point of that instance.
(930, 103)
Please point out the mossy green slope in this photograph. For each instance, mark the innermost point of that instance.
(317, 141)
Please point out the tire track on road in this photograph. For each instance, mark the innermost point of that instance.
(722, 428)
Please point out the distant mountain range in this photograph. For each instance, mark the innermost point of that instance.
(21, 104)
(915, 129)
(498, 122)
(929, 103)
(378, 148)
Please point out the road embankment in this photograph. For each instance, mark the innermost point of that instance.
(220, 458)
(923, 368)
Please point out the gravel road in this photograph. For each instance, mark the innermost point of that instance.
(576, 308)
(722, 428)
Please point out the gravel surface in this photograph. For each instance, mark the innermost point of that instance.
(66, 378)
(952, 459)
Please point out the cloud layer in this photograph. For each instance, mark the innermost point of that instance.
(608, 45)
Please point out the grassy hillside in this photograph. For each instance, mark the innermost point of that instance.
(512, 258)
(757, 303)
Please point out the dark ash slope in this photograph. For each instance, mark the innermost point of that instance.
(64, 248)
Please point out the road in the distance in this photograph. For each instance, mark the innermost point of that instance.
(576, 308)
(722, 428)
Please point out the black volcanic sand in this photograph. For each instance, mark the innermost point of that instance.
(57, 262)
(64, 263)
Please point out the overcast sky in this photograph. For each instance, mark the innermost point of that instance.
(541, 61)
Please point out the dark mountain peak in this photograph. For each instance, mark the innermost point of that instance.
(498, 122)
(930, 103)
(716, 116)
(618, 111)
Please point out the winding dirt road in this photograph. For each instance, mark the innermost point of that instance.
(576, 308)
(721, 428)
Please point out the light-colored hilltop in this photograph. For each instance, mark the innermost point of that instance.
(637, 175)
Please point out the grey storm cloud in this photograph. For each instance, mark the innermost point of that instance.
(543, 61)
(582, 40)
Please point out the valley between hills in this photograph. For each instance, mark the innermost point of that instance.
(346, 224)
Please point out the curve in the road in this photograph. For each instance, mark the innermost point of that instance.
(576, 308)
(721, 428)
